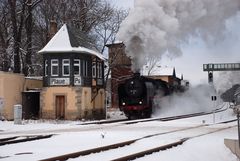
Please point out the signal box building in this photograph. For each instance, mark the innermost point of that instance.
(73, 79)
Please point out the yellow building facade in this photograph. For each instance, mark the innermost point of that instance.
(12, 86)
(72, 103)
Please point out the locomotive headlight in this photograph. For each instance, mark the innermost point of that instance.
(140, 102)
(123, 103)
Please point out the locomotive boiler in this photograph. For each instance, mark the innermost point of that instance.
(136, 95)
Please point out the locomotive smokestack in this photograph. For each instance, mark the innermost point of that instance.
(136, 74)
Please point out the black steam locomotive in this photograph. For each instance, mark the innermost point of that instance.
(136, 95)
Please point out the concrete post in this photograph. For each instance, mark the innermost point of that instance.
(18, 114)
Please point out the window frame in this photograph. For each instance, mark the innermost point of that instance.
(99, 70)
(78, 65)
(83, 65)
(86, 68)
(54, 65)
(94, 74)
(46, 68)
(67, 65)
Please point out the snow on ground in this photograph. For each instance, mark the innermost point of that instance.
(205, 148)
(70, 136)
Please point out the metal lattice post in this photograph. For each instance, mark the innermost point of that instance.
(238, 129)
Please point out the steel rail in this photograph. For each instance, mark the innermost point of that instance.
(164, 147)
(150, 151)
(112, 146)
(14, 140)
(125, 143)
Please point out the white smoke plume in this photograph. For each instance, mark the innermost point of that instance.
(226, 80)
(157, 27)
(196, 99)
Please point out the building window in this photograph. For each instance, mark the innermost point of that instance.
(85, 68)
(77, 67)
(94, 70)
(46, 68)
(99, 70)
(54, 67)
(66, 67)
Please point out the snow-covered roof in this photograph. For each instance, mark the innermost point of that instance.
(64, 41)
(117, 42)
(34, 78)
(160, 71)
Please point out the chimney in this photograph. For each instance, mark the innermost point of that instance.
(53, 28)
(136, 74)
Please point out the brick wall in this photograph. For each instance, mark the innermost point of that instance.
(120, 66)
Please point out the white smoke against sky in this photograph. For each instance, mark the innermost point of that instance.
(228, 52)
(157, 27)
(226, 80)
(196, 99)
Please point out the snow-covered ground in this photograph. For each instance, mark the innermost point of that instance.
(70, 136)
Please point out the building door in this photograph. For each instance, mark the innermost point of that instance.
(31, 104)
(60, 107)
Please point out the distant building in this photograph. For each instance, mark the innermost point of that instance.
(167, 74)
(73, 79)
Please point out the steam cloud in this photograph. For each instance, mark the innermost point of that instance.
(226, 80)
(156, 27)
(196, 99)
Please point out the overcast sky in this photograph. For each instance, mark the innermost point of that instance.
(197, 52)
(123, 3)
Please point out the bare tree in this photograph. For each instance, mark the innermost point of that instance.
(25, 24)
(5, 38)
(106, 31)
(152, 64)
(17, 11)
(27, 64)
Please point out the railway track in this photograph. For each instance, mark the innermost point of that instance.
(163, 147)
(20, 139)
(138, 154)
(108, 147)
(127, 121)
(150, 151)
(106, 124)
(113, 123)
(106, 150)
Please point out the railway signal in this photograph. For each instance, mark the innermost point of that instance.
(214, 99)
(210, 77)
(219, 67)
(238, 112)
